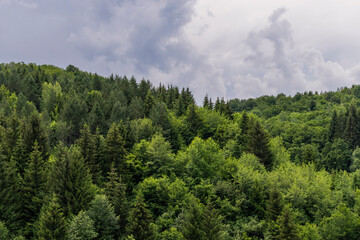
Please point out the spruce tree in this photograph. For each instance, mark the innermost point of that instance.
(81, 227)
(70, 180)
(114, 151)
(51, 223)
(206, 103)
(351, 132)
(11, 199)
(33, 189)
(20, 156)
(258, 144)
(148, 103)
(4, 232)
(191, 225)
(212, 223)
(274, 205)
(88, 151)
(139, 223)
(35, 132)
(116, 192)
(286, 227)
(105, 220)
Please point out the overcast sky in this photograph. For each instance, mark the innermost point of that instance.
(229, 48)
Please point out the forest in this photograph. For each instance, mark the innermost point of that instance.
(89, 157)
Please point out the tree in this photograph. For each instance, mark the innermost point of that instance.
(70, 180)
(116, 192)
(274, 206)
(148, 103)
(81, 227)
(286, 228)
(11, 198)
(136, 108)
(103, 215)
(33, 187)
(351, 132)
(191, 224)
(96, 118)
(355, 164)
(342, 224)
(51, 223)
(160, 156)
(35, 132)
(194, 122)
(88, 151)
(114, 150)
(336, 155)
(4, 232)
(258, 144)
(140, 220)
(212, 223)
(335, 130)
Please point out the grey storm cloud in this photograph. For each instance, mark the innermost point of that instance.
(169, 41)
(145, 34)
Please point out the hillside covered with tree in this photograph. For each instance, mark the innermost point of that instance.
(89, 157)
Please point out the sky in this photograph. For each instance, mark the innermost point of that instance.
(230, 48)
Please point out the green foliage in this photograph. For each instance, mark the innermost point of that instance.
(140, 220)
(4, 232)
(337, 155)
(258, 144)
(342, 224)
(103, 215)
(81, 227)
(116, 192)
(286, 227)
(51, 223)
(70, 180)
(114, 149)
(74, 135)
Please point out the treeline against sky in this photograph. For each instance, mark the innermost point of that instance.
(88, 157)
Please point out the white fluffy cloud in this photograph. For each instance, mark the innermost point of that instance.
(233, 48)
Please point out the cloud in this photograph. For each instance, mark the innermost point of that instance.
(228, 49)
(275, 64)
(22, 3)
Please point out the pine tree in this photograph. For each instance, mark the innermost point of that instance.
(4, 232)
(81, 227)
(194, 122)
(114, 151)
(258, 144)
(116, 192)
(212, 223)
(103, 215)
(191, 227)
(179, 107)
(33, 188)
(286, 228)
(88, 151)
(274, 205)
(206, 103)
(51, 223)
(148, 103)
(35, 132)
(11, 199)
(334, 131)
(70, 180)
(351, 132)
(217, 104)
(140, 221)
(96, 118)
(136, 108)
(244, 123)
(20, 156)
